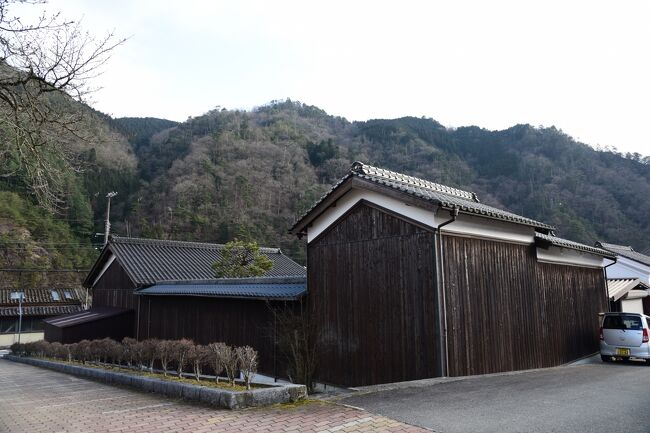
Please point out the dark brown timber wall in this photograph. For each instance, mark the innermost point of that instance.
(372, 292)
(207, 320)
(114, 289)
(115, 327)
(506, 311)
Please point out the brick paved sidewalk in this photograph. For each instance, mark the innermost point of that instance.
(36, 400)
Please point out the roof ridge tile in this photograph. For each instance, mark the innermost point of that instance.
(187, 244)
(360, 167)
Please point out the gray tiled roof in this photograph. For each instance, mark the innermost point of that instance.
(43, 296)
(619, 287)
(445, 196)
(44, 310)
(277, 288)
(150, 261)
(625, 251)
(554, 240)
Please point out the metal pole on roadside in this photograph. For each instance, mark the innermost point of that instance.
(20, 314)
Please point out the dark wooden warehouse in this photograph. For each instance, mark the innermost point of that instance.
(409, 279)
(146, 288)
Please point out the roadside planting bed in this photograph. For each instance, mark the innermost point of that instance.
(131, 363)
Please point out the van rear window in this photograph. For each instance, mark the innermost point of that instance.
(623, 322)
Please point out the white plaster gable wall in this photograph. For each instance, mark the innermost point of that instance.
(465, 225)
(567, 256)
(352, 197)
(626, 268)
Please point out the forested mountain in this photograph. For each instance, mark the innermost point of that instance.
(243, 174)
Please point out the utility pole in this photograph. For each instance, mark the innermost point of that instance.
(107, 227)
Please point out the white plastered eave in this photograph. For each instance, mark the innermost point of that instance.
(465, 225)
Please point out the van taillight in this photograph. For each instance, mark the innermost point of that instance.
(601, 333)
(645, 335)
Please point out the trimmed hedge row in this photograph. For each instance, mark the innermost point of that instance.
(179, 354)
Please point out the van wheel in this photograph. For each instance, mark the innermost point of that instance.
(606, 358)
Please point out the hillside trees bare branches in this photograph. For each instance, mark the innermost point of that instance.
(45, 66)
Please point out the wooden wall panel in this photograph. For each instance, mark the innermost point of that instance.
(207, 320)
(506, 311)
(372, 292)
(114, 289)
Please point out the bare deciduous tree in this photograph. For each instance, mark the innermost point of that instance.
(44, 66)
(130, 350)
(165, 350)
(247, 359)
(224, 358)
(215, 358)
(149, 350)
(181, 349)
(198, 356)
(298, 339)
(115, 351)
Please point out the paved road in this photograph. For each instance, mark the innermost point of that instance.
(590, 398)
(34, 400)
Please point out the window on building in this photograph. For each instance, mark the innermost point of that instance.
(17, 295)
(55, 295)
(9, 325)
(67, 294)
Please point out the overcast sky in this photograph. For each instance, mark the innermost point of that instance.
(581, 66)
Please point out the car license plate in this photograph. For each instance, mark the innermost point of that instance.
(623, 352)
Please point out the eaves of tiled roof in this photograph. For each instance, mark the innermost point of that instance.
(41, 311)
(431, 192)
(565, 243)
(274, 288)
(625, 251)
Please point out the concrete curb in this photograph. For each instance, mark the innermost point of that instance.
(215, 397)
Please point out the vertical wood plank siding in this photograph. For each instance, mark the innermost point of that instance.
(207, 320)
(371, 282)
(506, 311)
(114, 289)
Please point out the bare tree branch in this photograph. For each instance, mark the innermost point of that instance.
(44, 67)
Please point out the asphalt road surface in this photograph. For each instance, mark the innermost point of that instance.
(590, 398)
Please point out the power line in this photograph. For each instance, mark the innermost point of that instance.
(18, 270)
(24, 218)
(49, 243)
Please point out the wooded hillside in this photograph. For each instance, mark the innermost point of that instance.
(230, 174)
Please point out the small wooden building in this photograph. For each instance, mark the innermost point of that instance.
(38, 304)
(410, 279)
(147, 288)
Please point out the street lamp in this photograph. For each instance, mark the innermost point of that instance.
(20, 296)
